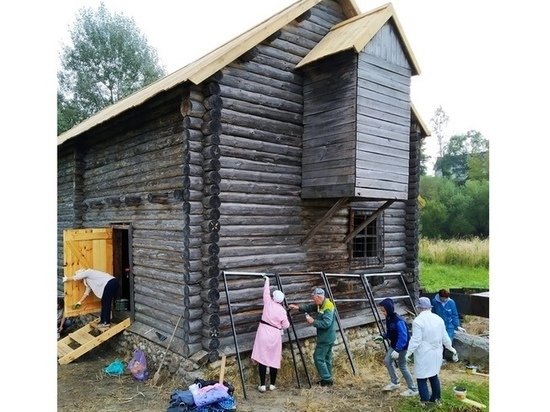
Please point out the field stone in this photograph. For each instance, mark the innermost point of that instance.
(472, 349)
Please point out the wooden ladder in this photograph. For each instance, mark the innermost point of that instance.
(78, 343)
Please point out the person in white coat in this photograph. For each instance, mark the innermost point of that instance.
(428, 336)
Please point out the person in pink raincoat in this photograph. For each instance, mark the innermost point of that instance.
(268, 343)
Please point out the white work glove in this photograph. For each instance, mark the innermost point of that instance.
(65, 278)
(394, 355)
(461, 329)
(409, 357)
(455, 355)
(378, 339)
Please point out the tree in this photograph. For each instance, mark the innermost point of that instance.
(466, 156)
(109, 59)
(449, 210)
(439, 123)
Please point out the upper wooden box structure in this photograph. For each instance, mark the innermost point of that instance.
(357, 110)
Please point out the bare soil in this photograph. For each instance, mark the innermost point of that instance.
(83, 386)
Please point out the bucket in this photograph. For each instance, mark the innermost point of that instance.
(121, 304)
(471, 369)
(460, 393)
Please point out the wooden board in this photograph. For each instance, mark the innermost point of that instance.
(473, 403)
(85, 340)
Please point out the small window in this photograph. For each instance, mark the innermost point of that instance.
(367, 246)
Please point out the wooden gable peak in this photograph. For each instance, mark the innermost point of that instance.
(356, 32)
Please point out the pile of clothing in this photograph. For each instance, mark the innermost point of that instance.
(203, 396)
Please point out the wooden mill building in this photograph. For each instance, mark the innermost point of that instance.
(293, 148)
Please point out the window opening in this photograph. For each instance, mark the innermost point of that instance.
(367, 246)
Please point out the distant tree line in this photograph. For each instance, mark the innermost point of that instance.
(455, 202)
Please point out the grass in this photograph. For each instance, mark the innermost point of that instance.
(435, 276)
(471, 253)
(454, 264)
(478, 392)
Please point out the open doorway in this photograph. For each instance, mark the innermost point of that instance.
(122, 269)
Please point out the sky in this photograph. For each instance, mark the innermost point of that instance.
(483, 62)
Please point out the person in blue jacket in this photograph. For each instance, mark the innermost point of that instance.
(445, 308)
(398, 335)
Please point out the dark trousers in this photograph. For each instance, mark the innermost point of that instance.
(109, 294)
(424, 392)
(263, 373)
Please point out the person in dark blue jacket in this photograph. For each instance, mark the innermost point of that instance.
(398, 336)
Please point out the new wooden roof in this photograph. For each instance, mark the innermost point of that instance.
(360, 29)
(356, 32)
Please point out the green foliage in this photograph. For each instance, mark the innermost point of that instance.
(108, 60)
(453, 211)
(465, 157)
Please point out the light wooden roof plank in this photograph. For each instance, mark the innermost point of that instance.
(356, 32)
(198, 70)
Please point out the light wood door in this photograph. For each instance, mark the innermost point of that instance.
(85, 249)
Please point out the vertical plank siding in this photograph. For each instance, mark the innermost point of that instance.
(383, 121)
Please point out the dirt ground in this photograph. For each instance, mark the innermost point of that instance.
(83, 386)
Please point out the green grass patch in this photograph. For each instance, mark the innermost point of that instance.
(478, 392)
(435, 276)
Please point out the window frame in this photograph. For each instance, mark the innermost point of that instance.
(375, 259)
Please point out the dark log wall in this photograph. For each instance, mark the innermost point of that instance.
(412, 214)
(131, 172)
(70, 206)
(263, 219)
(383, 121)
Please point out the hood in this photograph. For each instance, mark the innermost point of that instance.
(388, 305)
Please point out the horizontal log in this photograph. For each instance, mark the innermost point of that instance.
(190, 338)
(211, 214)
(212, 115)
(211, 152)
(211, 139)
(212, 177)
(213, 102)
(192, 326)
(211, 165)
(210, 343)
(158, 198)
(210, 88)
(210, 295)
(211, 320)
(211, 127)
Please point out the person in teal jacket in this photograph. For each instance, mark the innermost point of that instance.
(445, 307)
(324, 322)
